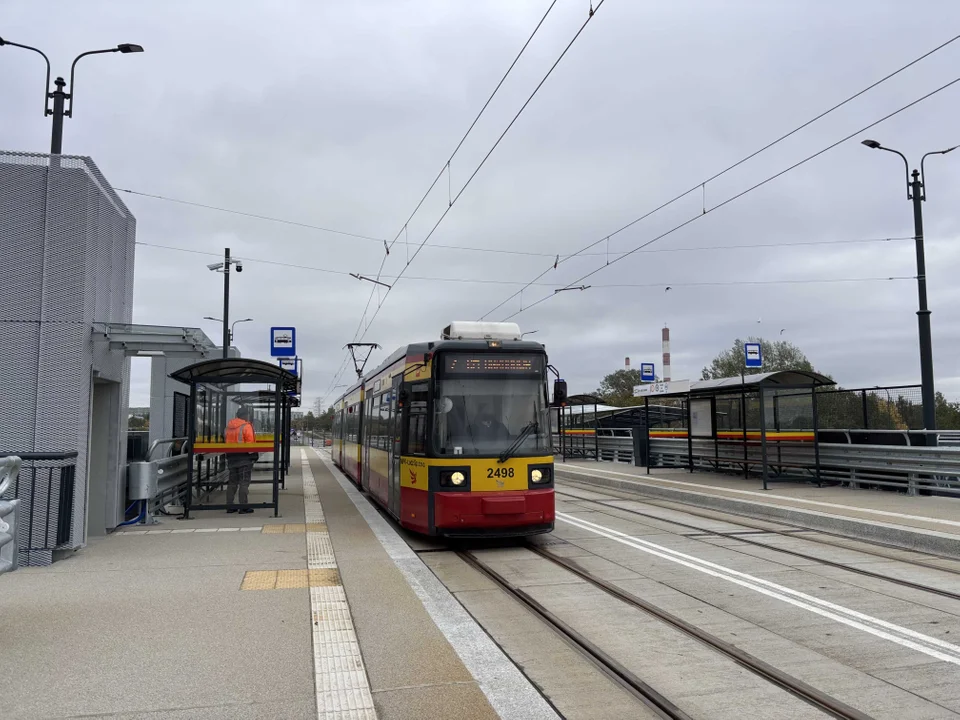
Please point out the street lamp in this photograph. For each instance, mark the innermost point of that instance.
(60, 95)
(232, 325)
(224, 267)
(916, 192)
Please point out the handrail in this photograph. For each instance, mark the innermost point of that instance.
(166, 441)
(41, 456)
(9, 471)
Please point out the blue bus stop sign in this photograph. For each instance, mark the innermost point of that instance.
(647, 372)
(752, 355)
(283, 342)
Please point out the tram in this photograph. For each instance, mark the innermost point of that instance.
(452, 438)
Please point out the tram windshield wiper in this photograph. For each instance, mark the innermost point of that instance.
(524, 432)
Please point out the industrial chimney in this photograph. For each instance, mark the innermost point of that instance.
(665, 335)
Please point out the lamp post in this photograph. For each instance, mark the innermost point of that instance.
(60, 95)
(916, 192)
(233, 325)
(224, 267)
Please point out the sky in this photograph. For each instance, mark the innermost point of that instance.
(341, 115)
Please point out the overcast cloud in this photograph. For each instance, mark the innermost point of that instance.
(341, 114)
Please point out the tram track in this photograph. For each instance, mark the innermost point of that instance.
(613, 669)
(648, 695)
(794, 553)
(795, 686)
(580, 483)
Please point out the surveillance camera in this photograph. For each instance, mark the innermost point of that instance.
(214, 266)
(239, 267)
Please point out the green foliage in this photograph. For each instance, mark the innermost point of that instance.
(777, 355)
(617, 388)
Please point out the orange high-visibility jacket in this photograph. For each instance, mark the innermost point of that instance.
(239, 431)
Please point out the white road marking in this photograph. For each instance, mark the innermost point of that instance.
(931, 646)
(764, 495)
(342, 687)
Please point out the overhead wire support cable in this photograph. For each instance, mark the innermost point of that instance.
(750, 189)
(489, 153)
(357, 334)
(255, 216)
(702, 184)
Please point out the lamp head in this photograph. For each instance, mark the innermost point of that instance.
(872, 144)
(129, 48)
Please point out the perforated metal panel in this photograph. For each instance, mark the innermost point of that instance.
(67, 246)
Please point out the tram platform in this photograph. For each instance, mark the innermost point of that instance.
(324, 612)
(925, 523)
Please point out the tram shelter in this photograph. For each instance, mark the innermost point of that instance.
(577, 428)
(766, 421)
(218, 388)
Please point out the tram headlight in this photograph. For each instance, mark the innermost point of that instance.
(459, 479)
(540, 476)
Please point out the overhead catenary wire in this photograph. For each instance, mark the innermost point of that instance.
(496, 144)
(444, 168)
(701, 185)
(696, 248)
(749, 190)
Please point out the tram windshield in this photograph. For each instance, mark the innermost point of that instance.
(483, 406)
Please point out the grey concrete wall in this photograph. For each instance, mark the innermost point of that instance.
(67, 245)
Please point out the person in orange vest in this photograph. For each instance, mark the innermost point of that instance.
(239, 464)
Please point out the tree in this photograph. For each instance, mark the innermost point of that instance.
(617, 388)
(777, 355)
(325, 421)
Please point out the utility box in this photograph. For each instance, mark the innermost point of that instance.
(640, 445)
(141, 481)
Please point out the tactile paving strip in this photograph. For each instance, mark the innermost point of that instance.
(289, 579)
(343, 690)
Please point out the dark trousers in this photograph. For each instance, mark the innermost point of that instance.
(238, 478)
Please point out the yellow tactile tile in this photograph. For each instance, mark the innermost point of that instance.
(289, 579)
(259, 580)
(324, 577)
(293, 528)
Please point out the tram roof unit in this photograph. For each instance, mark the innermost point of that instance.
(470, 337)
(464, 330)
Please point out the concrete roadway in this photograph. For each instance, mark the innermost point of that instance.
(884, 649)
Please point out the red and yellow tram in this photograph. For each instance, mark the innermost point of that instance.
(452, 438)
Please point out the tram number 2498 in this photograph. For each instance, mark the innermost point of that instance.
(499, 472)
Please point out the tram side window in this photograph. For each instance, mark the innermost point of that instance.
(370, 426)
(385, 439)
(417, 425)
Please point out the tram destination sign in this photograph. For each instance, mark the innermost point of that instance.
(486, 363)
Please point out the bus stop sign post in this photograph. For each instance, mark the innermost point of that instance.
(647, 372)
(283, 342)
(752, 355)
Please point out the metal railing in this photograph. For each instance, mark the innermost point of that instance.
(9, 544)
(164, 476)
(45, 488)
(908, 468)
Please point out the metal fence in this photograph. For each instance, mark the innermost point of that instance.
(886, 408)
(45, 488)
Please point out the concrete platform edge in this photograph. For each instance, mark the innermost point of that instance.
(926, 541)
(507, 690)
